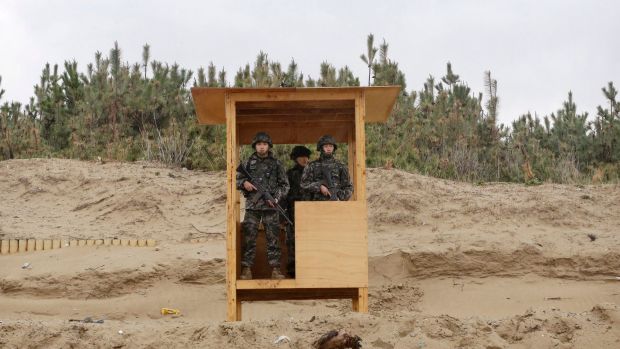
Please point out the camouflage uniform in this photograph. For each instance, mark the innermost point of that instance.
(313, 178)
(269, 173)
(295, 194)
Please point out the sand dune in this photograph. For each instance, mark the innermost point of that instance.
(451, 264)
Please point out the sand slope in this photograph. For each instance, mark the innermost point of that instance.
(451, 264)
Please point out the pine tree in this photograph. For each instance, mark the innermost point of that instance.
(369, 56)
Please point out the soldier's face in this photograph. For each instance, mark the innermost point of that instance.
(302, 161)
(328, 149)
(262, 148)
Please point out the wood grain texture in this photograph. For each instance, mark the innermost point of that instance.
(331, 244)
(210, 102)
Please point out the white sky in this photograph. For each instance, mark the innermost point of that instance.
(537, 50)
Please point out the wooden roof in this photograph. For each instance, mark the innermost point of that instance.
(296, 105)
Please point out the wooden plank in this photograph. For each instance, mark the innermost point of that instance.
(360, 301)
(296, 294)
(326, 113)
(296, 95)
(331, 247)
(300, 104)
(233, 305)
(30, 245)
(360, 149)
(294, 134)
(379, 102)
(297, 120)
(265, 284)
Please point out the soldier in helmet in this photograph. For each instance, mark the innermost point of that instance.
(301, 156)
(314, 179)
(269, 173)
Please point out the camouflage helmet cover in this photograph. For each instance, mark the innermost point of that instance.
(262, 137)
(326, 139)
(300, 150)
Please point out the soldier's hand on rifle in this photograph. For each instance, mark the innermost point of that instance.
(248, 186)
(270, 203)
(325, 191)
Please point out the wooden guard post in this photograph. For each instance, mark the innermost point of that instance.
(330, 237)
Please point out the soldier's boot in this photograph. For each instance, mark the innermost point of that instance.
(276, 273)
(246, 274)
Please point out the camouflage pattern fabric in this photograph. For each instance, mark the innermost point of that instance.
(250, 232)
(269, 173)
(295, 194)
(312, 178)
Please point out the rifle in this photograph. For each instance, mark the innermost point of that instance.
(330, 184)
(262, 193)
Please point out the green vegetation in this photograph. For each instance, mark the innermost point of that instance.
(144, 111)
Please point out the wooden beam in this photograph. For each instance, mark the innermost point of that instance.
(360, 149)
(286, 134)
(233, 305)
(360, 301)
(265, 284)
(297, 120)
(309, 104)
(297, 294)
(295, 95)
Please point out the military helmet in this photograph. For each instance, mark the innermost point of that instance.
(262, 137)
(326, 139)
(300, 150)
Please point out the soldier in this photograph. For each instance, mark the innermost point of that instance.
(315, 178)
(269, 173)
(300, 155)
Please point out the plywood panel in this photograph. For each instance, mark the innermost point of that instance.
(294, 134)
(331, 244)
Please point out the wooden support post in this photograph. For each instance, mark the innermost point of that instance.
(98, 242)
(38, 245)
(360, 303)
(151, 242)
(31, 245)
(56, 244)
(107, 242)
(141, 242)
(47, 245)
(116, 242)
(233, 312)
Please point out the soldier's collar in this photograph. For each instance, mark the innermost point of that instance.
(327, 157)
(269, 155)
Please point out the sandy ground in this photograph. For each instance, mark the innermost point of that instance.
(451, 264)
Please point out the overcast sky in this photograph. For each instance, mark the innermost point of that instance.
(537, 50)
